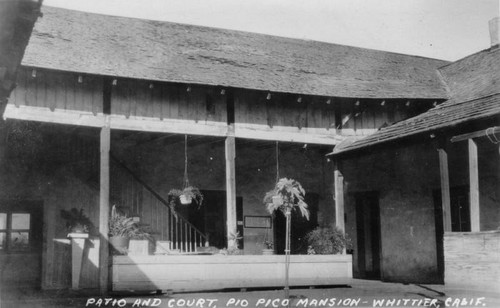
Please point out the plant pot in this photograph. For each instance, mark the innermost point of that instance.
(119, 244)
(267, 252)
(78, 229)
(185, 199)
(277, 200)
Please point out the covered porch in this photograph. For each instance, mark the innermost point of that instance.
(132, 157)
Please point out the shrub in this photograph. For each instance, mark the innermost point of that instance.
(327, 241)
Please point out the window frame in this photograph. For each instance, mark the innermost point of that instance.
(8, 231)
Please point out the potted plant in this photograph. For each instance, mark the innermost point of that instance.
(269, 250)
(78, 225)
(76, 221)
(328, 240)
(122, 229)
(286, 196)
(188, 195)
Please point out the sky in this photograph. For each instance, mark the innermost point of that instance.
(442, 29)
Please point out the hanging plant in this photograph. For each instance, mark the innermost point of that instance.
(188, 194)
(287, 195)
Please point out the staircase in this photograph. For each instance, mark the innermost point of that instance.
(132, 195)
(139, 199)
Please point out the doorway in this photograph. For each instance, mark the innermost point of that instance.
(368, 234)
(21, 243)
(300, 226)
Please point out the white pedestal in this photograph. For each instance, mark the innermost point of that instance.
(77, 246)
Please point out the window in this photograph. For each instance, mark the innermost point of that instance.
(15, 232)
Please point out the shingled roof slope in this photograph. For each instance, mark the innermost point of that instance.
(474, 83)
(144, 49)
(475, 76)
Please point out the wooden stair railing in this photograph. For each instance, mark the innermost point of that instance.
(140, 198)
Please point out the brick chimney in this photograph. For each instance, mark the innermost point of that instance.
(495, 31)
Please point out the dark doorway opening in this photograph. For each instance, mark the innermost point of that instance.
(210, 218)
(368, 234)
(300, 226)
(21, 237)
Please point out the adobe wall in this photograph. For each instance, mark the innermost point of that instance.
(406, 179)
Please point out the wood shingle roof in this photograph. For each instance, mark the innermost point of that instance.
(143, 49)
(474, 87)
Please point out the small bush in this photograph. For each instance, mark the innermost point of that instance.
(325, 241)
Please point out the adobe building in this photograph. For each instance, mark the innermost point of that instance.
(118, 111)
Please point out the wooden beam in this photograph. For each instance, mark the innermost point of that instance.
(287, 134)
(230, 150)
(445, 189)
(339, 198)
(177, 126)
(473, 186)
(480, 133)
(105, 141)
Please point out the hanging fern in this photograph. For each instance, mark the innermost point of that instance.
(290, 195)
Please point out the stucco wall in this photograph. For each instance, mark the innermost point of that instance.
(407, 179)
(404, 181)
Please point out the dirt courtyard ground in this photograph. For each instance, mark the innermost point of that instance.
(360, 293)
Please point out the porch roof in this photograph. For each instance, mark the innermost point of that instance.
(163, 51)
(474, 87)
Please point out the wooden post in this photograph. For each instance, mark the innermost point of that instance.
(230, 184)
(104, 208)
(474, 186)
(445, 189)
(339, 198)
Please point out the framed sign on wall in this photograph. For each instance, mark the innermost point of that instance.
(258, 222)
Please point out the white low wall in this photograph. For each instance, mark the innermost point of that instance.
(194, 272)
(472, 260)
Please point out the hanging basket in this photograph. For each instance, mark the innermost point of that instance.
(185, 199)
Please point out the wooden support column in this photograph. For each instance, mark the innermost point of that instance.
(104, 207)
(339, 198)
(473, 186)
(445, 189)
(230, 184)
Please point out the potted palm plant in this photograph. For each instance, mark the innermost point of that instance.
(286, 196)
(122, 229)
